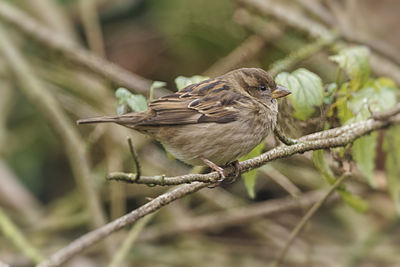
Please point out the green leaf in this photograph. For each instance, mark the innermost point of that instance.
(342, 104)
(352, 200)
(391, 145)
(122, 93)
(307, 91)
(137, 103)
(364, 152)
(329, 95)
(249, 178)
(375, 97)
(322, 166)
(169, 155)
(156, 85)
(125, 100)
(355, 61)
(182, 81)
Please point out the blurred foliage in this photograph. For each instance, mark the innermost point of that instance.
(164, 39)
(196, 32)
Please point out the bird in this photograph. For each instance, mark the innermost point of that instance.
(213, 122)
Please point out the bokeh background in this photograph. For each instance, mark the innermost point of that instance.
(45, 158)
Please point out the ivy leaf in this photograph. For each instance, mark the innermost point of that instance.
(322, 166)
(391, 145)
(249, 178)
(182, 81)
(307, 91)
(125, 100)
(355, 61)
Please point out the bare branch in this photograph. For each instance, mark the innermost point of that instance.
(336, 137)
(93, 237)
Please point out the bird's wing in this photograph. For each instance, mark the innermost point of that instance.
(210, 101)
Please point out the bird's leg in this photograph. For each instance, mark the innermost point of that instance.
(283, 138)
(236, 166)
(214, 167)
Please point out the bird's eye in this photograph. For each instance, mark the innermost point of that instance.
(262, 88)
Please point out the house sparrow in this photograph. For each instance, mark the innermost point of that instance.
(213, 122)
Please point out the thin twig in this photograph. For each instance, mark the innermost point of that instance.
(283, 138)
(135, 158)
(300, 225)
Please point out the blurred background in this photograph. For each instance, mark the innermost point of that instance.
(55, 67)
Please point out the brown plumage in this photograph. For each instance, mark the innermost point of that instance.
(220, 119)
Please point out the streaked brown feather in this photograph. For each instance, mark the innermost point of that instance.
(195, 105)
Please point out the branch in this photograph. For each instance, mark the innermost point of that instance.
(70, 50)
(340, 136)
(93, 237)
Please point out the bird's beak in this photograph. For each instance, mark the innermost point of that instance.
(280, 91)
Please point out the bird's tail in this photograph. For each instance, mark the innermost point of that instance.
(124, 119)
